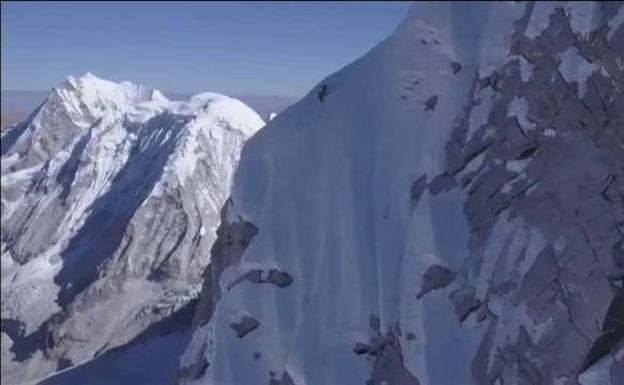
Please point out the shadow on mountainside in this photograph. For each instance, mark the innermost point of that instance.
(100, 236)
(150, 358)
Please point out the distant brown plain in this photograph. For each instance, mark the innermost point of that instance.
(10, 116)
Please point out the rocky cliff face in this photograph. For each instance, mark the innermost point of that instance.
(110, 202)
(448, 209)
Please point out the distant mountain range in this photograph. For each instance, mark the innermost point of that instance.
(16, 105)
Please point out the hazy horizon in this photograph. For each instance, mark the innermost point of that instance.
(17, 104)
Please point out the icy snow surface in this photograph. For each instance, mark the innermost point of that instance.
(330, 187)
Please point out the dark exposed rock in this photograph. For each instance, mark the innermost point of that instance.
(483, 313)
(284, 380)
(617, 253)
(539, 276)
(63, 363)
(614, 319)
(388, 366)
(430, 103)
(385, 349)
(464, 301)
(418, 188)
(456, 67)
(436, 277)
(201, 369)
(527, 153)
(245, 326)
(442, 183)
(603, 345)
(360, 349)
(254, 276)
(612, 334)
(232, 241)
(195, 371)
(566, 284)
(276, 277)
(279, 278)
(493, 80)
(612, 192)
(67, 173)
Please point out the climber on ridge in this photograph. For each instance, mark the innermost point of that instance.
(322, 92)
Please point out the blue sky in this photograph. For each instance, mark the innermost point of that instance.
(278, 48)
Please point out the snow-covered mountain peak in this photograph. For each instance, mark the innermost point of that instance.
(72, 107)
(89, 96)
(225, 109)
(222, 110)
(110, 198)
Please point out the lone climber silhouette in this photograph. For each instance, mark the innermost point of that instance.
(322, 92)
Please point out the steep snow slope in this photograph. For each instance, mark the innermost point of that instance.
(446, 210)
(110, 201)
